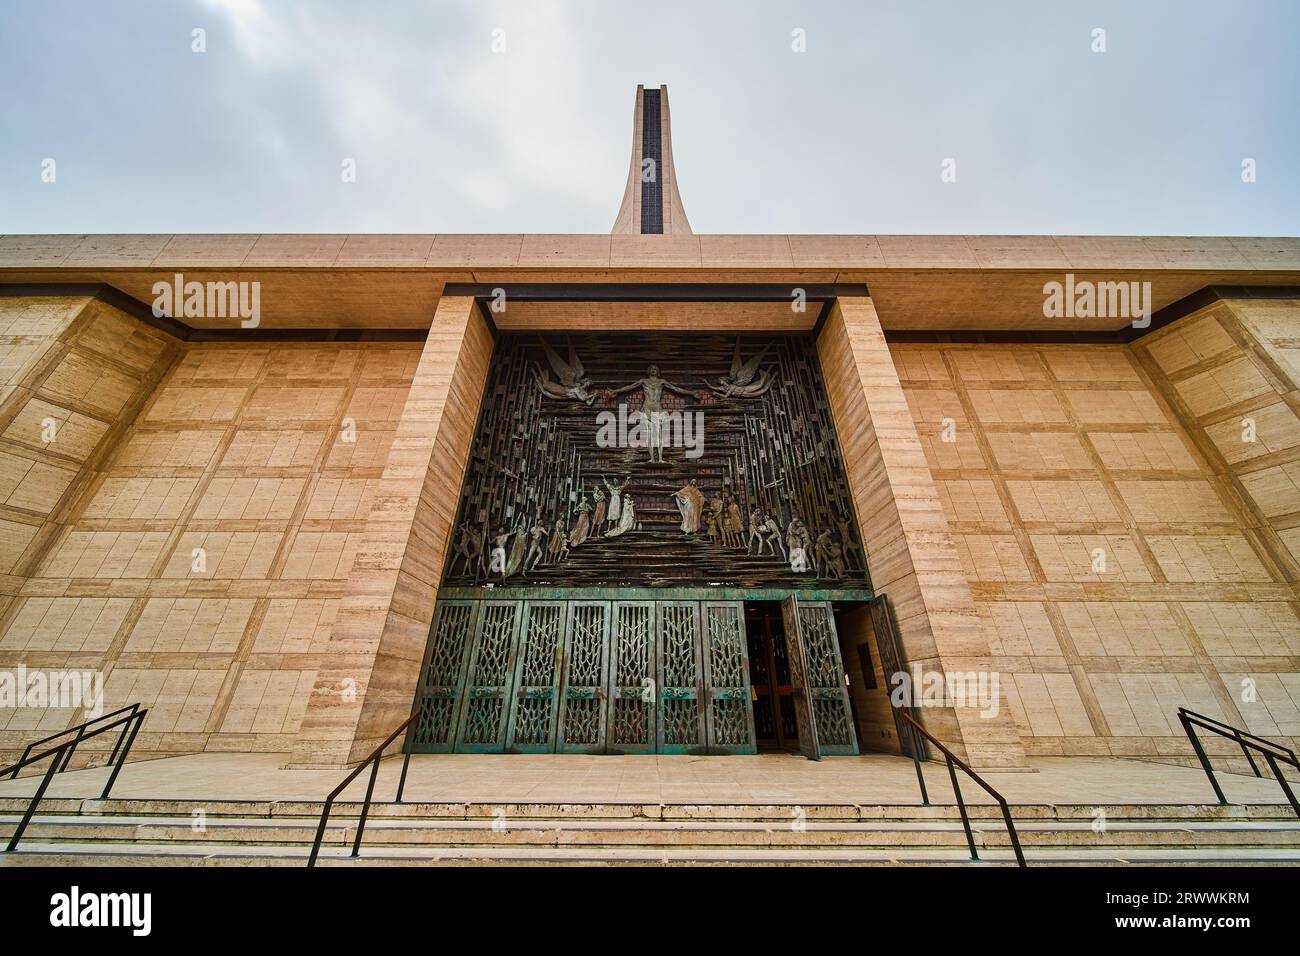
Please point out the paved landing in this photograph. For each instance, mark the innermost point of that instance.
(565, 778)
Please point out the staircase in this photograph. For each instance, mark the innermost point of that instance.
(115, 832)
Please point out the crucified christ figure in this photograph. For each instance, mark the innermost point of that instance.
(652, 388)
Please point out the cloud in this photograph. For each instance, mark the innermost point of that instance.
(428, 109)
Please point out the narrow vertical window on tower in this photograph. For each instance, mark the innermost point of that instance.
(652, 193)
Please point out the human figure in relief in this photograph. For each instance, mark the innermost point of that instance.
(558, 548)
(498, 562)
(615, 498)
(468, 545)
(536, 533)
(828, 557)
(656, 419)
(797, 540)
(626, 519)
(756, 518)
(690, 502)
(771, 536)
(582, 527)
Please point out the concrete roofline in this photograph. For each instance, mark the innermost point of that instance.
(444, 252)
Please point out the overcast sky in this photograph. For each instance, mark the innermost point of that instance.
(850, 135)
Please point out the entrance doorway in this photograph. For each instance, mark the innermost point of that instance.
(775, 726)
(645, 672)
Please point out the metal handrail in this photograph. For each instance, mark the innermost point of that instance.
(954, 761)
(79, 730)
(373, 761)
(1271, 750)
(62, 754)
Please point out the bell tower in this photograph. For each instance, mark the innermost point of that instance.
(651, 203)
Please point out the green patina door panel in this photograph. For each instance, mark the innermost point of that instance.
(535, 702)
(681, 678)
(606, 676)
(442, 676)
(729, 709)
(632, 721)
(803, 712)
(585, 679)
(485, 706)
(824, 670)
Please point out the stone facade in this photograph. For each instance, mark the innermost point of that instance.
(213, 511)
(248, 537)
(1128, 552)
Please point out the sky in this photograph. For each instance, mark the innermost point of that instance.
(516, 117)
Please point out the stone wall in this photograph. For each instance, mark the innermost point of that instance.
(75, 374)
(1118, 568)
(201, 564)
(366, 684)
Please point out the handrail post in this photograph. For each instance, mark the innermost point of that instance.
(920, 777)
(1286, 787)
(961, 806)
(134, 722)
(67, 757)
(122, 736)
(36, 799)
(365, 807)
(916, 762)
(406, 762)
(320, 832)
(1200, 755)
(1011, 831)
(1246, 750)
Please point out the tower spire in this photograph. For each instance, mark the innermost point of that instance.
(651, 203)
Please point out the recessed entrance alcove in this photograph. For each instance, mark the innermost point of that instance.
(633, 507)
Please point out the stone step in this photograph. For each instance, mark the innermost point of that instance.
(180, 854)
(778, 813)
(648, 833)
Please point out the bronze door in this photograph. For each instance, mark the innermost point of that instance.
(803, 700)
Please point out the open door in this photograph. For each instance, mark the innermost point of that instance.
(803, 706)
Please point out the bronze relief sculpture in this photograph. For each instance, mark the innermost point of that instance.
(740, 380)
(547, 496)
(573, 383)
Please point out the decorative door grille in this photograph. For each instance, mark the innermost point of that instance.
(537, 678)
(633, 677)
(544, 676)
(443, 675)
(681, 716)
(583, 701)
(486, 703)
(730, 708)
(824, 672)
